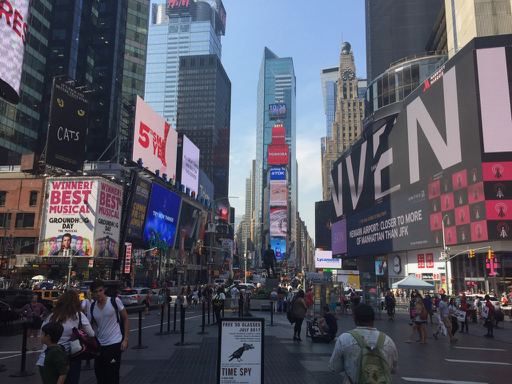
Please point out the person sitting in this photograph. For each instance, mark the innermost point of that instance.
(328, 324)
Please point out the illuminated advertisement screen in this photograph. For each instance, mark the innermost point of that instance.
(154, 141)
(138, 209)
(192, 220)
(190, 165)
(277, 111)
(277, 155)
(69, 115)
(279, 247)
(278, 173)
(88, 210)
(323, 259)
(13, 36)
(278, 135)
(278, 221)
(278, 193)
(339, 238)
(162, 217)
(222, 209)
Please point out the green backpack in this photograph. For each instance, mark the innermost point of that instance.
(372, 366)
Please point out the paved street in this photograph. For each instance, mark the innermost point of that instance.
(473, 359)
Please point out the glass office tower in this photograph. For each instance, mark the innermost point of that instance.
(276, 85)
(175, 31)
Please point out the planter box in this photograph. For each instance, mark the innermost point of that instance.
(256, 305)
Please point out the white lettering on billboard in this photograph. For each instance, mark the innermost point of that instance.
(190, 165)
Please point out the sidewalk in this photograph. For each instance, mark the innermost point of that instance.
(286, 361)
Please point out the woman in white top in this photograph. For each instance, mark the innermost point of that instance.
(453, 307)
(67, 312)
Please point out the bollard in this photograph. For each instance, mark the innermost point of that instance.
(182, 327)
(272, 314)
(168, 318)
(161, 325)
(139, 346)
(203, 321)
(174, 331)
(241, 307)
(22, 372)
(208, 313)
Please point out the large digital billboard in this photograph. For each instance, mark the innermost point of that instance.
(154, 141)
(395, 187)
(278, 221)
(277, 112)
(278, 173)
(89, 210)
(278, 193)
(277, 155)
(279, 247)
(138, 207)
(323, 259)
(69, 115)
(13, 37)
(190, 165)
(162, 217)
(192, 220)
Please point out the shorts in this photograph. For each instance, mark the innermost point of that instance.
(326, 328)
(447, 322)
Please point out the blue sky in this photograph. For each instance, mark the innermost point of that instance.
(311, 33)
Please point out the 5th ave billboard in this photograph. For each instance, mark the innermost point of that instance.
(86, 209)
(154, 141)
(395, 188)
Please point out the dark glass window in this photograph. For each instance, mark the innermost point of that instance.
(25, 220)
(5, 220)
(3, 196)
(33, 198)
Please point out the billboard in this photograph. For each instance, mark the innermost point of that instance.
(138, 207)
(323, 221)
(395, 187)
(192, 220)
(88, 209)
(339, 238)
(279, 247)
(154, 141)
(162, 218)
(277, 112)
(278, 221)
(190, 165)
(278, 193)
(323, 259)
(278, 134)
(67, 129)
(277, 155)
(278, 173)
(13, 37)
(222, 209)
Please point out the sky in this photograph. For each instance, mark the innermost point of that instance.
(311, 33)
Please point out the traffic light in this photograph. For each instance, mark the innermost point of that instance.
(200, 250)
(471, 253)
(490, 254)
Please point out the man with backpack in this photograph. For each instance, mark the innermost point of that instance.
(112, 324)
(364, 355)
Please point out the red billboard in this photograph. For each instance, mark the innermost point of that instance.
(277, 155)
(278, 134)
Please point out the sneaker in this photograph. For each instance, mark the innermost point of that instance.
(435, 336)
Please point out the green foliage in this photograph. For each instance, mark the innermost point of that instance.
(261, 294)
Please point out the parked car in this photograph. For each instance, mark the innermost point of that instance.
(219, 282)
(137, 296)
(470, 301)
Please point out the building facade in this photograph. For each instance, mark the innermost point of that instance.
(396, 29)
(348, 115)
(179, 30)
(276, 147)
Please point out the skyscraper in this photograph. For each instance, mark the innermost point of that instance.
(204, 112)
(179, 29)
(276, 148)
(329, 78)
(348, 115)
(396, 29)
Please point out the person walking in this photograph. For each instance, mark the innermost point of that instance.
(455, 323)
(390, 302)
(489, 324)
(309, 301)
(33, 314)
(344, 358)
(427, 301)
(114, 340)
(160, 300)
(235, 297)
(180, 299)
(464, 308)
(299, 311)
(333, 302)
(68, 313)
(420, 317)
(280, 299)
(189, 296)
(444, 317)
(148, 303)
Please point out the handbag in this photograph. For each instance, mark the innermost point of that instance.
(81, 345)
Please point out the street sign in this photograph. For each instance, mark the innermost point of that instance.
(178, 262)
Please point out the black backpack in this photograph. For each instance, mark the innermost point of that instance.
(120, 320)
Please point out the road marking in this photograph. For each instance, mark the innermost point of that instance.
(482, 349)
(477, 362)
(422, 380)
(17, 354)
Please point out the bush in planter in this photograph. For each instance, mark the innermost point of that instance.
(261, 294)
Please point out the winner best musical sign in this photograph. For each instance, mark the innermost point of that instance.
(88, 209)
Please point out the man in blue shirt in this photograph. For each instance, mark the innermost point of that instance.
(328, 323)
